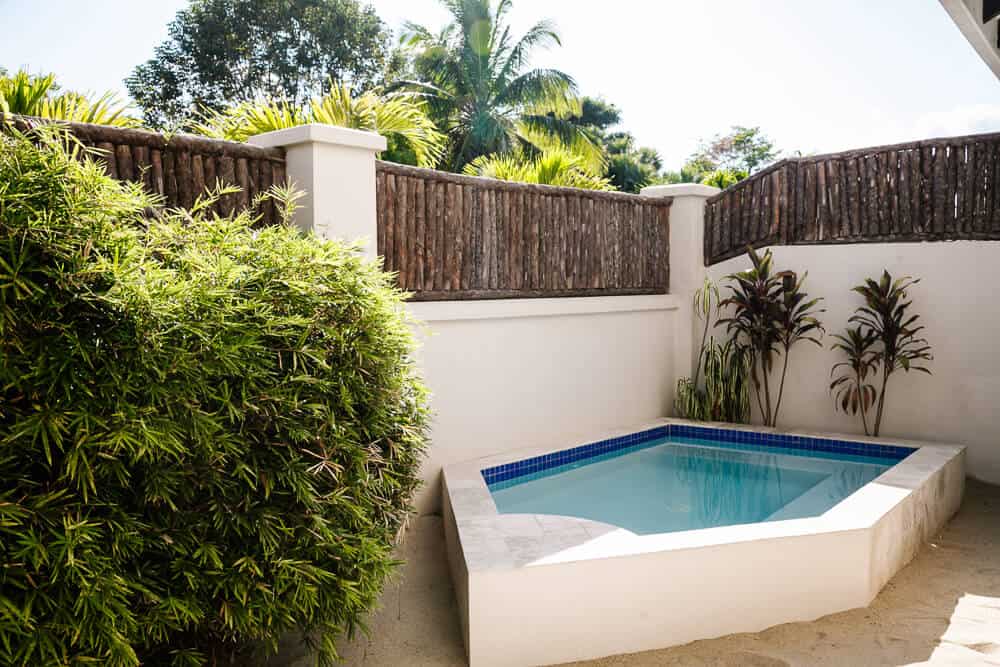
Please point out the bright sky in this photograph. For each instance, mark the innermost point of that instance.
(816, 76)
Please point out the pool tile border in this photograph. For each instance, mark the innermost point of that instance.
(529, 466)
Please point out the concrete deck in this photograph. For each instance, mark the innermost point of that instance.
(942, 609)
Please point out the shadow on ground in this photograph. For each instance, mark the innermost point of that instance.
(942, 609)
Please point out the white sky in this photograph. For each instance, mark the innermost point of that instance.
(815, 75)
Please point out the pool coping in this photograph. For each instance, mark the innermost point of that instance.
(490, 541)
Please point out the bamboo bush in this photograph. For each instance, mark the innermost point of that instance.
(209, 434)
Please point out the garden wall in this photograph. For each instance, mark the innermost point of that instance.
(449, 237)
(956, 298)
(511, 374)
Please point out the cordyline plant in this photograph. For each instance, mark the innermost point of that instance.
(722, 392)
(771, 314)
(890, 338)
(852, 389)
(209, 434)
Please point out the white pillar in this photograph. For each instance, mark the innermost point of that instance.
(334, 167)
(687, 262)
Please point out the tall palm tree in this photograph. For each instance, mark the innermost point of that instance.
(474, 75)
(401, 117)
(38, 95)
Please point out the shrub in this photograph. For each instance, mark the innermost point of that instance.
(886, 339)
(210, 434)
(770, 315)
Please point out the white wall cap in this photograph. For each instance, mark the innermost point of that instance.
(494, 309)
(680, 190)
(320, 134)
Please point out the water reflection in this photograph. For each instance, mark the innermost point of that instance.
(726, 487)
(672, 487)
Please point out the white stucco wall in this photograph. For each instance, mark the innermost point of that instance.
(517, 373)
(960, 402)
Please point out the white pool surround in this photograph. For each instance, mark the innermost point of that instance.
(538, 589)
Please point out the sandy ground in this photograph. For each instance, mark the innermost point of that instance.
(942, 609)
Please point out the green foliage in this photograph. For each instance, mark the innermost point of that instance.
(225, 52)
(853, 392)
(628, 168)
(597, 113)
(39, 95)
(723, 178)
(743, 149)
(686, 174)
(725, 159)
(892, 333)
(555, 167)
(474, 75)
(401, 118)
(771, 314)
(725, 395)
(209, 434)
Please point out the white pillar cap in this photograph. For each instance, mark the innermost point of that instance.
(320, 134)
(680, 190)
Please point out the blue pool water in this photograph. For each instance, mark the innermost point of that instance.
(676, 483)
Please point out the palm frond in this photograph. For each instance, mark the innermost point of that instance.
(552, 168)
(35, 95)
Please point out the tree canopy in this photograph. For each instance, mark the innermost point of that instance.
(629, 167)
(743, 149)
(481, 91)
(225, 52)
(726, 158)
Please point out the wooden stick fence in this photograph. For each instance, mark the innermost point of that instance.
(182, 167)
(453, 237)
(933, 190)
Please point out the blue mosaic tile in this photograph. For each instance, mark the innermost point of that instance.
(748, 439)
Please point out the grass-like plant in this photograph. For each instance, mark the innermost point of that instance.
(720, 392)
(209, 433)
(770, 315)
(892, 333)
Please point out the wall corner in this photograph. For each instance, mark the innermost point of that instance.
(687, 264)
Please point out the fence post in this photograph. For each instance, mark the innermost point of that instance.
(687, 263)
(334, 167)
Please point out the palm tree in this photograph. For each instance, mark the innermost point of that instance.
(401, 117)
(38, 95)
(474, 76)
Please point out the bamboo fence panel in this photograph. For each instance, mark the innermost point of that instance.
(933, 190)
(452, 237)
(180, 168)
